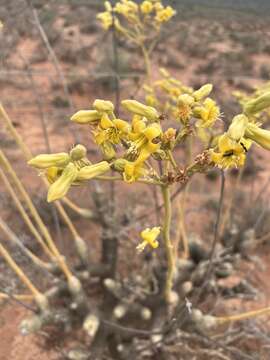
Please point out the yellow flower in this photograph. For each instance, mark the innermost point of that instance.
(164, 15)
(149, 237)
(230, 153)
(203, 92)
(111, 130)
(106, 19)
(184, 107)
(133, 171)
(61, 186)
(146, 7)
(208, 113)
(143, 139)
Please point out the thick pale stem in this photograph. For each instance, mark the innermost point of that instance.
(167, 241)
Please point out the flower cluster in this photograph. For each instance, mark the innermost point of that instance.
(65, 169)
(233, 145)
(132, 20)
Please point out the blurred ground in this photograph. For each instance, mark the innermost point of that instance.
(228, 48)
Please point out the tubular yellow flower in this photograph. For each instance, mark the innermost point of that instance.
(86, 117)
(258, 135)
(256, 105)
(138, 108)
(133, 171)
(45, 161)
(164, 15)
(106, 19)
(146, 7)
(238, 126)
(230, 153)
(92, 171)
(103, 106)
(184, 107)
(111, 130)
(149, 237)
(208, 113)
(144, 139)
(61, 186)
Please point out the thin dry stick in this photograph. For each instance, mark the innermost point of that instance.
(20, 297)
(28, 283)
(55, 63)
(243, 316)
(36, 216)
(24, 215)
(12, 237)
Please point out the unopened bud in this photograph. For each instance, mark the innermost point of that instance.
(203, 92)
(119, 311)
(140, 109)
(260, 136)
(91, 171)
(45, 161)
(61, 186)
(91, 325)
(119, 164)
(103, 105)
(238, 126)
(256, 105)
(78, 152)
(86, 116)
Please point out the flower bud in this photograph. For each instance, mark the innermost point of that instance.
(140, 109)
(78, 152)
(61, 186)
(203, 92)
(103, 105)
(45, 161)
(260, 136)
(91, 171)
(238, 126)
(119, 164)
(256, 105)
(86, 116)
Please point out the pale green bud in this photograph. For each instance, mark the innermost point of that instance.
(45, 161)
(260, 136)
(238, 126)
(140, 109)
(78, 152)
(92, 171)
(119, 164)
(203, 92)
(61, 186)
(103, 105)
(86, 116)
(260, 103)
